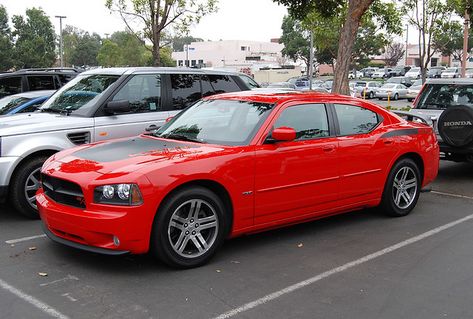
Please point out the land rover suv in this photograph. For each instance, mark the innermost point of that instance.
(98, 105)
(447, 104)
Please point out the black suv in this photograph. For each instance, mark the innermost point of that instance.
(35, 79)
(447, 104)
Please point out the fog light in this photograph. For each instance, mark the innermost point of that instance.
(116, 241)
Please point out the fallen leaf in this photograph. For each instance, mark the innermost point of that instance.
(235, 262)
(300, 245)
(32, 248)
(218, 270)
(43, 274)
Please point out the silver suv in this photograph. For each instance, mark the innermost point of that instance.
(447, 104)
(98, 105)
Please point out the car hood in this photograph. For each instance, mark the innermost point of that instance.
(38, 122)
(130, 155)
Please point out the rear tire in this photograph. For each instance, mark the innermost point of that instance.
(24, 185)
(189, 227)
(396, 97)
(371, 95)
(402, 188)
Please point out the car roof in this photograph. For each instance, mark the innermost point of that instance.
(33, 94)
(168, 70)
(277, 96)
(450, 81)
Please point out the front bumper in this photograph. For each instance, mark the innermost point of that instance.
(384, 95)
(95, 230)
(7, 166)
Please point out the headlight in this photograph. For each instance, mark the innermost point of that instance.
(118, 194)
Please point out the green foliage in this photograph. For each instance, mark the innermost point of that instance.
(166, 57)
(300, 8)
(149, 19)
(460, 6)
(6, 45)
(448, 39)
(80, 47)
(35, 40)
(109, 54)
(295, 40)
(132, 50)
(179, 42)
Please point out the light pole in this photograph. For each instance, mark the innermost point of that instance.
(407, 42)
(60, 39)
(311, 59)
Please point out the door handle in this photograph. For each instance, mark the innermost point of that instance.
(388, 142)
(329, 148)
(151, 128)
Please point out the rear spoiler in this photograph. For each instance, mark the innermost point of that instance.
(411, 117)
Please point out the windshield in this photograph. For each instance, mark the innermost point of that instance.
(80, 93)
(10, 102)
(360, 84)
(394, 80)
(224, 122)
(417, 82)
(414, 70)
(451, 70)
(443, 96)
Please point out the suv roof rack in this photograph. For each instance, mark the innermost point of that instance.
(65, 70)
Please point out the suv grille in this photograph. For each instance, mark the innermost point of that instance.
(79, 138)
(62, 191)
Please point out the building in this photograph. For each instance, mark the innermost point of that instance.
(230, 54)
(414, 59)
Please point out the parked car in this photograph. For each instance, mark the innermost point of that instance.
(452, 72)
(414, 73)
(469, 73)
(404, 80)
(367, 72)
(447, 105)
(303, 84)
(435, 71)
(381, 73)
(328, 84)
(181, 191)
(399, 70)
(23, 102)
(355, 74)
(392, 90)
(98, 105)
(26, 80)
(366, 89)
(285, 85)
(414, 90)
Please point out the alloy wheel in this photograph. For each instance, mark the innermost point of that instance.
(32, 185)
(404, 187)
(193, 228)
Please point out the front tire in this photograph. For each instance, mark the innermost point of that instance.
(402, 188)
(189, 228)
(371, 95)
(24, 185)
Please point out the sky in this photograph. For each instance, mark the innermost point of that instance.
(257, 20)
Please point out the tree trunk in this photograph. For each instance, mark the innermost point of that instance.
(356, 9)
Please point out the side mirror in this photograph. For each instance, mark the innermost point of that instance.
(283, 134)
(117, 107)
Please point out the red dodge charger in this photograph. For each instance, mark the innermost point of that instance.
(234, 164)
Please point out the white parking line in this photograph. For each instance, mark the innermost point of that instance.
(312, 280)
(32, 300)
(451, 195)
(19, 240)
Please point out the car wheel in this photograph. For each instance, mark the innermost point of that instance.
(380, 98)
(189, 228)
(395, 97)
(402, 188)
(371, 95)
(24, 185)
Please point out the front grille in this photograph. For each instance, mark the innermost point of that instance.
(63, 192)
(79, 138)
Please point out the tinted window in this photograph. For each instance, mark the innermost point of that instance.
(355, 120)
(442, 96)
(249, 82)
(9, 103)
(41, 82)
(143, 92)
(309, 121)
(66, 77)
(185, 90)
(10, 85)
(223, 83)
(207, 88)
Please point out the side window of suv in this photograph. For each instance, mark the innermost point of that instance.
(250, 83)
(143, 92)
(355, 120)
(223, 83)
(10, 85)
(41, 82)
(185, 90)
(309, 120)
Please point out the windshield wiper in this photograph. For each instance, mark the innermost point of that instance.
(51, 110)
(181, 137)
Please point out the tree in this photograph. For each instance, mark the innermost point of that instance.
(6, 45)
(463, 8)
(35, 40)
(109, 54)
(132, 50)
(149, 20)
(351, 13)
(80, 47)
(394, 52)
(426, 16)
(295, 40)
(179, 42)
(448, 39)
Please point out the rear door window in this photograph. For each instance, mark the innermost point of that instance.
(223, 83)
(443, 96)
(10, 85)
(355, 120)
(143, 92)
(185, 90)
(41, 82)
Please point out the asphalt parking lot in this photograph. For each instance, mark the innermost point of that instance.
(356, 265)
